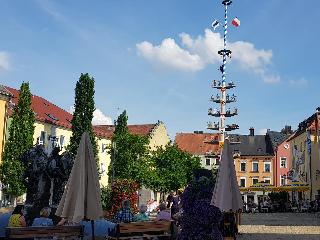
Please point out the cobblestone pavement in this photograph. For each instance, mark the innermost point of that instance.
(265, 226)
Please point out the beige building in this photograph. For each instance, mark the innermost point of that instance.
(197, 144)
(305, 156)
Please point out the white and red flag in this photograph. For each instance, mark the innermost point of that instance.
(236, 22)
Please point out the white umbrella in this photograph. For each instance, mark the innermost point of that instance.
(226, 195)
(81, 199)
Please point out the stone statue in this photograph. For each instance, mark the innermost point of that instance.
(45, 178)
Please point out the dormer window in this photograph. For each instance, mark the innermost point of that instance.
(52, 117)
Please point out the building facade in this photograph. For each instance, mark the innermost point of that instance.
(196, 144)
(305, 152)
(53, 128)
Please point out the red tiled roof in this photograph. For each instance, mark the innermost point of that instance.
(50, 113)
(194, 143)
(141, 129)
(45, 110)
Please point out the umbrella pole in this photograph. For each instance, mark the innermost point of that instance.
(92, 228)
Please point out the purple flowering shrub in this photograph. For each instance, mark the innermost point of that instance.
(200, 220)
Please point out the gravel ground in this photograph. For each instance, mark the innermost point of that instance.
(296, 226)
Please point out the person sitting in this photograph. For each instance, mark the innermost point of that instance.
(4, 220)
(124, 215)
(163, 214)
(44, 219)
(142, 216)
(102, 228)
(17, 218)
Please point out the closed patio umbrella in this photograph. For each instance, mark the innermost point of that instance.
(226, 194)
(81, 199)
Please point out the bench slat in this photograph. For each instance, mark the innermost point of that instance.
(144, 227)
(57, 231)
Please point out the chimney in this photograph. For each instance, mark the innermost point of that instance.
(198, 132)
(251, 131)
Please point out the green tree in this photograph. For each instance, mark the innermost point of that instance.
(83, 114)
(170, 169)
(128, 152)
(20, 140)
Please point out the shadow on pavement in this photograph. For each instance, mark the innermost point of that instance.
(281, 219)
(275, 236)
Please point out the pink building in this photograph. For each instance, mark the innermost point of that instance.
(282, 163)
(282, 155)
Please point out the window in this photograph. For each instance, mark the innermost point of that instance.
(208, 161)
(282, 180)
(267, 167)
(255, 167)
(217, 162)
(242, 182)
(52, 117)
(103, 147)
(43, 136)
(267, 180)
(283, 162)
(255, 181)
(62, 141)
(102, 168)
(242, 166)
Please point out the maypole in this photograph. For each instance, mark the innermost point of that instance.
(223, 99)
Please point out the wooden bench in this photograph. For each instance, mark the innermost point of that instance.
(54, 231)
(143, 230)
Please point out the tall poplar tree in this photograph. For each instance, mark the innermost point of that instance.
(128, 153)
(83, 114)
(20, 139)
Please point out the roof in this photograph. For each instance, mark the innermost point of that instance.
(48, 112)
(312, 123)
(45, 111)
(5, 91)
(140, 129)
(194, 143)
(276, 138)
(257, 145)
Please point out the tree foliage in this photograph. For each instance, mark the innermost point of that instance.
(20, 139)
(170, 169)
(128, 152)
(83, 114)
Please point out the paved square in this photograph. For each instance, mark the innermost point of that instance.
(297, 226)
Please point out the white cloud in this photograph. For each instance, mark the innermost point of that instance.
(263, 131)
(4, 61)
(169, 54)
(270, 78)
(195, 53)
(98, 117)
(300, 82)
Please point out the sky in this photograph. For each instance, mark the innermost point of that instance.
(157, 59)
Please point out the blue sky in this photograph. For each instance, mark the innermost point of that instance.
(156, 59)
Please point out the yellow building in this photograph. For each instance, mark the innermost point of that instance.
(53, 128)
(5, 97)
(305, 156)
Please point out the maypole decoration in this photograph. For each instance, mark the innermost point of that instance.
(223, 98)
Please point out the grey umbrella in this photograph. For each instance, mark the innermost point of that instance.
(226, 194)
(81, 199)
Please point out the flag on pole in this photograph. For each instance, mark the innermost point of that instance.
(215, 24)
(236, 22)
